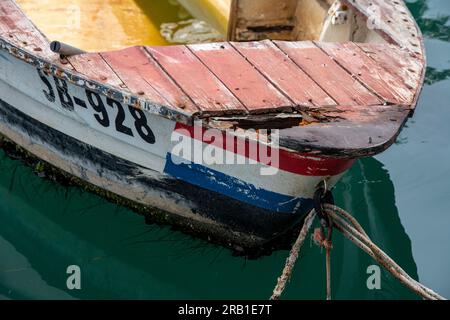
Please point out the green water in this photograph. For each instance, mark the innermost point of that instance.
(401, 197)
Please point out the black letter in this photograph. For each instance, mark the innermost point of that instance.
(50, 94)
(120, 117)
(64, 97)
(99, 107)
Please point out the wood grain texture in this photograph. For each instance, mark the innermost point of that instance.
(378, 76)
(409, 67)
(93, 66)
(284, 73)
(393, 20)
(245, 81)
(198, 82)
(336, 81)
(142, 76)
(18, 29)
(261, 19)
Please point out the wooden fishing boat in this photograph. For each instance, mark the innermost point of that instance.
(301, 89)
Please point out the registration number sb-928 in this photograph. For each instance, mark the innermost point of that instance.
(128, 121)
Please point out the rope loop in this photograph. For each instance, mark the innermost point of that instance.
(323, 196)
(344, 222)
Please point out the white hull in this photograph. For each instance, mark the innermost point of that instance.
(22, 87)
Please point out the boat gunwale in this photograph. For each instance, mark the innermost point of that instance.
(390, 38)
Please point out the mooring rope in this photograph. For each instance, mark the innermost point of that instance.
(352, 230)
(290, 261)
(328, 268)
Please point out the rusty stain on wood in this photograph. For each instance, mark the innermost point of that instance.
(93, 66)
(22, 32)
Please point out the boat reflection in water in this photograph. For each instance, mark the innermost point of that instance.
(368, 193)
(46, 227)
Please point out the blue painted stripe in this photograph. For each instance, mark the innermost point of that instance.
(219, 182)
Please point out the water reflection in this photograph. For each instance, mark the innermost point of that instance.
(433, 26)
(47, 227)
(436, 27)
(434, 75)
(368, 193)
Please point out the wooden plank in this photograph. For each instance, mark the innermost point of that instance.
(94, 67)
(382, 80)
(145, 78)
(408, 67)
(201, 85)
(393, 19)
(18, 29)
(347, 131)
(337, 82)
(246, 82)
(284, 73)
(261, 19)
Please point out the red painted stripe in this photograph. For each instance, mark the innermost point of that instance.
(297, 163)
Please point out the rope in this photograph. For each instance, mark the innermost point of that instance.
(328, 266)
(325, 242)
(290, 261)
(352, 230)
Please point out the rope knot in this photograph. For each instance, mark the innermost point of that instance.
(321, 240)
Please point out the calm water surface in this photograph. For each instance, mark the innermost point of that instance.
(401, 197)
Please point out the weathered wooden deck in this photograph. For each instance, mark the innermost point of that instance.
(329, 84)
